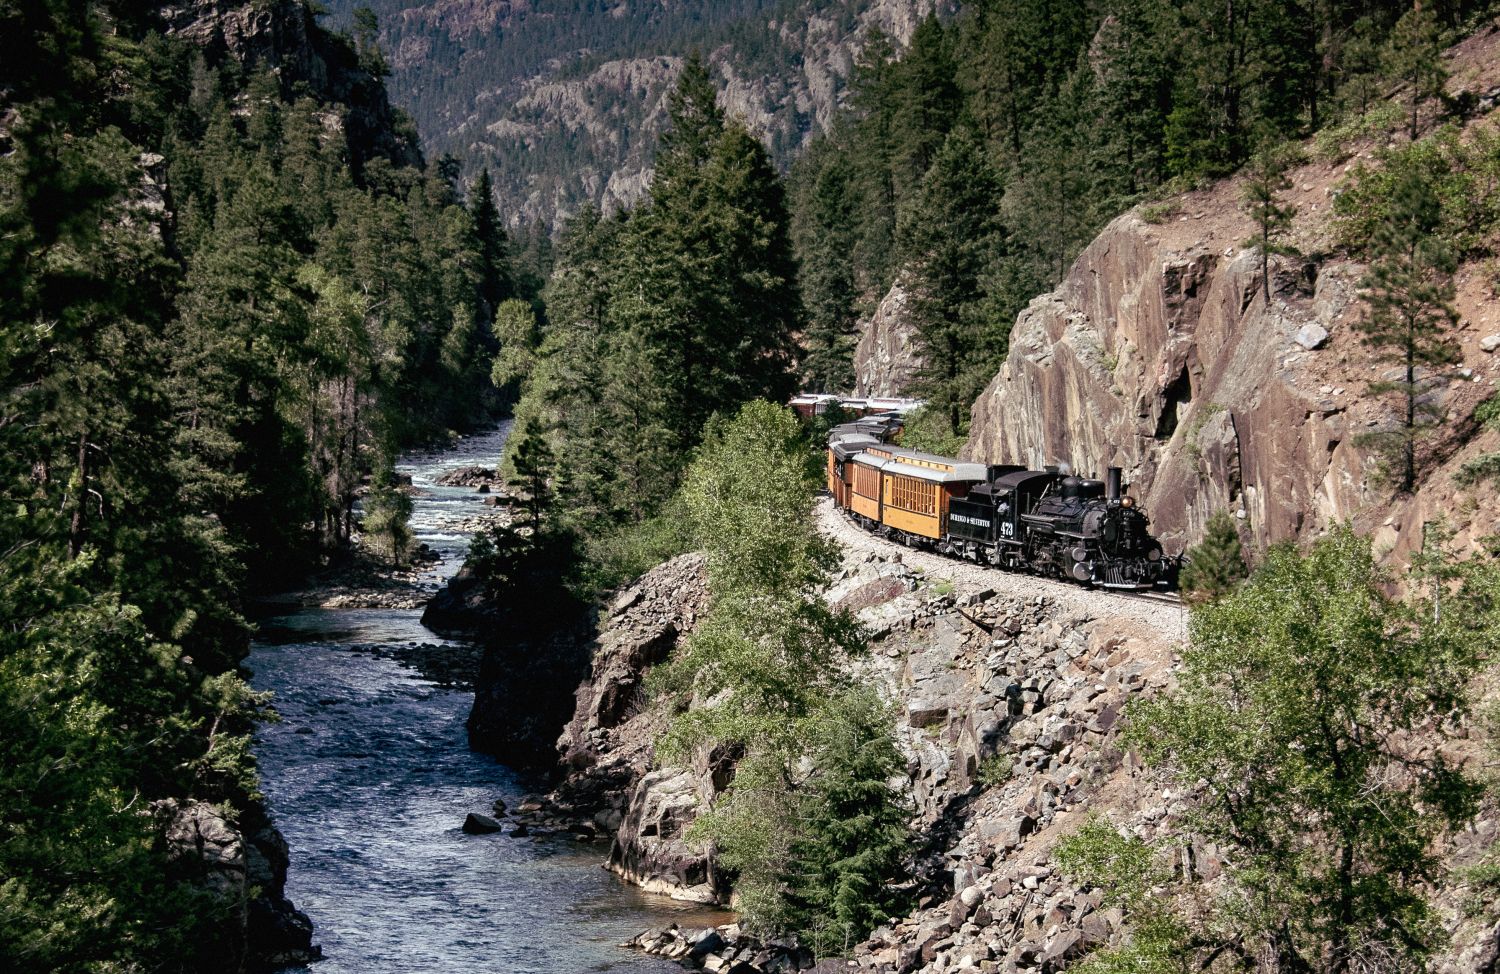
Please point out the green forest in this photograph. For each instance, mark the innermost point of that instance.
(232, 292)
(979, 162)
(228, 300)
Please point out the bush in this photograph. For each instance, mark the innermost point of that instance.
(1216, 565)
(616, 556)
(1293, 714)
(1129, 872)
(1464, 173)
(927, 430)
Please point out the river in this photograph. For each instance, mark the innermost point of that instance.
(369, 776)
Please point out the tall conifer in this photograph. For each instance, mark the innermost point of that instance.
(1409, 288)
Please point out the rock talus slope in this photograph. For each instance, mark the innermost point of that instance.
(1009, 693)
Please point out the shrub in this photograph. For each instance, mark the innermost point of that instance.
(1216, 565)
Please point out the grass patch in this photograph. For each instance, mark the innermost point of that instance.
(1158, 213)
(1332, 143)
(995, 770)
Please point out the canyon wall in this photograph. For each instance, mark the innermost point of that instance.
(1160, 353)
(886, 359)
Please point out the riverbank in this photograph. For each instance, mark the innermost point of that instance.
(370, 777)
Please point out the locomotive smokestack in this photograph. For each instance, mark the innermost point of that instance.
(1112, 484)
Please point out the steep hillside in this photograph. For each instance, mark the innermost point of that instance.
(564, 100)
(1159, 353)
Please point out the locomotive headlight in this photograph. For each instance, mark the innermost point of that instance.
(1154, 554)
(1127, 501)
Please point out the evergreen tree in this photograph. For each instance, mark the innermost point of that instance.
(496, 282)
(533, 466)
(1265, 177)
(825, 244)
(1132, 93)
(855, 837)
(1215, 565)
(949, 235)
(1409, 288)
(927, 101)
(1414, 56)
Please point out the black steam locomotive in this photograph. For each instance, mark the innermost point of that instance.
(1044, 521)
(1055, 524)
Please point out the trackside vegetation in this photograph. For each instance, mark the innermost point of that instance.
(810, 824)
(1295, 722)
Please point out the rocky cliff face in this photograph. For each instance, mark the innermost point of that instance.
(565, 104)
(1160, 353)
(886, 358)
(282, 36)
(243, 870)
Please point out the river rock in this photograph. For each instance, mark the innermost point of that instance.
(472, 476)
(477, 824)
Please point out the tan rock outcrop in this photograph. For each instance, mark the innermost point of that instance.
(886, 359)
(1159, 353)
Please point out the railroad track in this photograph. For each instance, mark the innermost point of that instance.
(1162, 610)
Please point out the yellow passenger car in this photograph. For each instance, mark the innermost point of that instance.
(915, 489)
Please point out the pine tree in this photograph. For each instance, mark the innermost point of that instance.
(855, 836)
(1132, 94)
(1414, 56)
(927, 102)
(949, 234)
(1410, 291)
(1265, 177)
(825, 241)
(1215, 565)
(533, 462)
(496, 280)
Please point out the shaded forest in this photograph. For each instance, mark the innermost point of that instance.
(223, 309)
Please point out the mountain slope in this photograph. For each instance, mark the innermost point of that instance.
(1159, 352)
(563, 100)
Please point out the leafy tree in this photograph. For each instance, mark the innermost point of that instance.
(1409, 288)
(1293, 712)
(1215, 565)
(1414, 55)
(765, 667)
(1265, 177)
(387, 509)
(519, 337)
